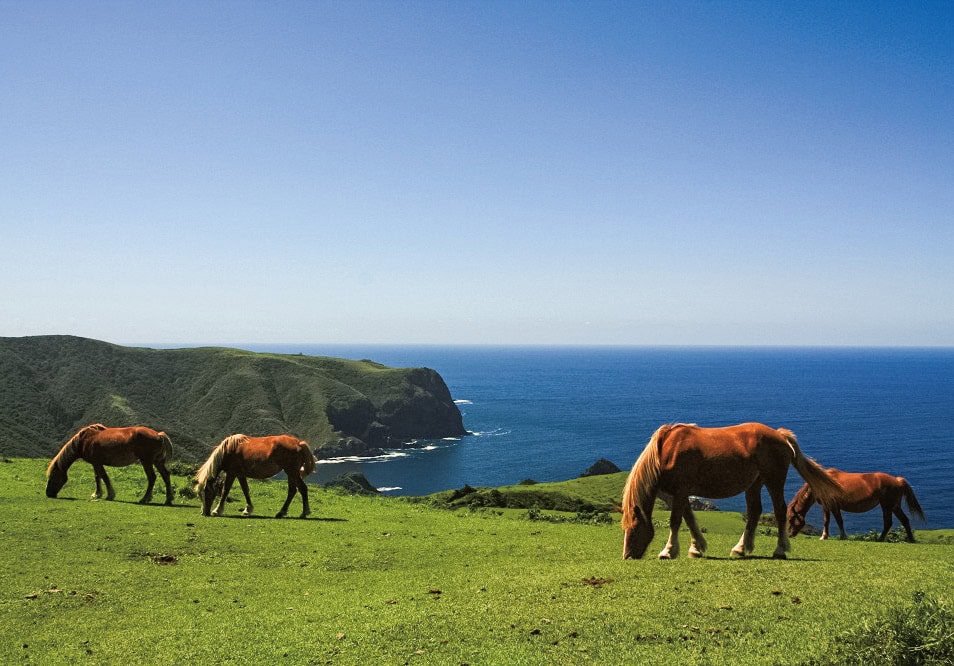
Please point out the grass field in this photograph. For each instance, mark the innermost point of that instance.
(385, 581)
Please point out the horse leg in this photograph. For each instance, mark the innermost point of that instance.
(226, 487)
(904, 521)
(101, 474)
(841, 524)
(151, 481)
(288, 499)
(826, 520)
(247, 511)
(697, 548)
(679, 504)
(99, 490)
(164, 473)
(777, 495)
(886, 512)
(303, 489)
(753, 511)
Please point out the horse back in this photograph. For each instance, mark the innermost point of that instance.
(118, 447)
(716, 462)
(263, 457)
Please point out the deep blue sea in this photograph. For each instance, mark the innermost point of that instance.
(548, 413)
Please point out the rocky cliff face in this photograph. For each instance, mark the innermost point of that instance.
(422, 408)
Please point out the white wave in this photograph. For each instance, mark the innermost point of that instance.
(451, 439)
(496, 432)
(463, 402)
(428, 448)
(381, 458)
(386, 489)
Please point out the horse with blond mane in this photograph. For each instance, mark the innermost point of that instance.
(863, 492)
(241, 456)
(683, 459)
(114, 447)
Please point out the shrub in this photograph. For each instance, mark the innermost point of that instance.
(922, 633)
(893, 536)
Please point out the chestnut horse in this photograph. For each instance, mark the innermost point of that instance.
(683, 459)
(862, 492)
(260, 458)
(115, 447)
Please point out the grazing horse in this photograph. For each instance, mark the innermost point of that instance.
(683, 459)
(862, 492)
(115, 447)
(260, 458)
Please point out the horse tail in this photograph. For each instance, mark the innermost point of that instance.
(165, 449)
(307, 458)
(913, 505)
(643, 482)
(827, 491)
(210, 469)
(68, 453)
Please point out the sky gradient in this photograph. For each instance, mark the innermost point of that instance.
(478, 172)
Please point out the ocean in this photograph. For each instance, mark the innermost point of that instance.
(548, 413)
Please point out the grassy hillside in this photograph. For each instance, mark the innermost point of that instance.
(592, 493)
(52, 385)
(382, 580)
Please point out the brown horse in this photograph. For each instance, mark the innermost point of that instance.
(115, 447)
(682, 460)
(260, 458)
(862, 492)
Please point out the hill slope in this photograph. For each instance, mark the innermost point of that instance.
(378, 580)
(52, 385)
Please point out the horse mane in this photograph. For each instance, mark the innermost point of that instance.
(210, 469)
(803, 499)
(67, 453)
(643, 481)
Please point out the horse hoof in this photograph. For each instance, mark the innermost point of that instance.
(696, 554)
(279, 515)
(737, 554)
(779, 556)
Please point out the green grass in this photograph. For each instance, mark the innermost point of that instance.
(385, 581)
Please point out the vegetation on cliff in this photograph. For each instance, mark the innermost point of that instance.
(52, 385)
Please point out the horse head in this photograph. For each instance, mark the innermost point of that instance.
(57, 479)
(798, 510)
(207, 493)
(636, 539)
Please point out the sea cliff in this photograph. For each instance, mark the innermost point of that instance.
(52, 385)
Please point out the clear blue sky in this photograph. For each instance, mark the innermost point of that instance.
(478, 172)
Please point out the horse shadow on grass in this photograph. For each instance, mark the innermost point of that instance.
(761, 558)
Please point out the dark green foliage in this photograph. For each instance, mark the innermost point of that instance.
(919, 633)
(581, 517)
(50, 386)
(893, 536)
(535, 496)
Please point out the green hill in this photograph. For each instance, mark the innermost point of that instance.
(50, 386)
